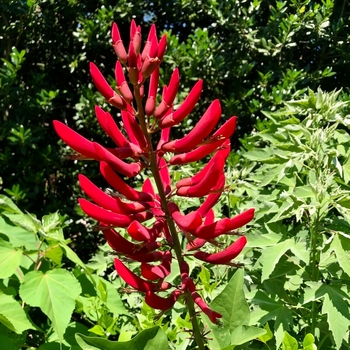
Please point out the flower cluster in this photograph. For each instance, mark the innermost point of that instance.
(151, 217)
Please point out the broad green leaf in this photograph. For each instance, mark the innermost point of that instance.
(289, 342)
(10, 259)
(244, 334)
(17, 236)
(267, 336)
(304, 192)
(50, 221)
(25, 221)
(149, 339)
(7, 204)
(337, 311)
(231, 303)
(12, 315)
(55, 254)
(309, 342)
(71, 255)
(342, 256)
(55, 293)
(346, 171)
(271, 255)
(7, 343)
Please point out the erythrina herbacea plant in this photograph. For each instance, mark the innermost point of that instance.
(151, 217)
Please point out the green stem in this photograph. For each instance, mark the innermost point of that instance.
(171, 225)
(314, 268)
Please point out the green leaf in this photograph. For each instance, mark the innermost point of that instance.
(25, 221)
(309, 342)
(337, 311)
(55, 254)
(55, 293)
(7, 204)
(71, 255)
(10, 259)
(267, 336)
(342, 256)
(244, 334)
(231, 303)
(346, 171)
(12, 315)
(50, 221)
(289, 342)
(149, 339)
(271, 255)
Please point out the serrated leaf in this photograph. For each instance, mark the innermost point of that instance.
(271, 255)
(12, 315)
(342, 256)
(25, 221)
(10, 259)
(337, 311)
(289, 342)
(55, 293)
(149, 339)
(231, 303)
(50, 221)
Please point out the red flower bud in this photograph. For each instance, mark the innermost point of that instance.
(170, 95)
(157, 302)
(142, 233)
(152, 33)
(154, 272)
(152, 93)
(118, 44)
(188, 222)
(122, 84)
(226, 255)
(185, 109)
(201, 130)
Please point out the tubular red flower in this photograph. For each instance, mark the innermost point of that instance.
(75, 141)
(164, 175)
(204, 185)
(222, 134)
(226, 255)
(162, 47)
(185, 109)
(141, 233)
(213, 315)
(133, 130)
(132, 279)
(152, 93)
(201, 130)
(122, 84)
(127, 169)
(135, 36)
(170, 95)
(118, 46)
(154, 272)
(157, 302)
(152, 33)
(104, 215)
(121, 186)
(189, 222)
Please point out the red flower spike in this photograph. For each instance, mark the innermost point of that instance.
(104, 215)
(122, 84)
(196, 244)
(132, 65)
(223, 134)
(148, 257)
(164, 137)
(133, 130)
(213, 315)
(127, 169)
(75, 141)
(170, 95)
(152, 93)
(164, 175)
(211, 231)
(133, 29)
(184, 267)
(203, 187)
(118, 46)
(185, 109)
(241, 219)
(147, 187)
(159, 303)
(121, 186)
(187, 283)
(154, 272)
(226, 255)
(151, 61)
(201, 130)
(132, 279)
(152, 33)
